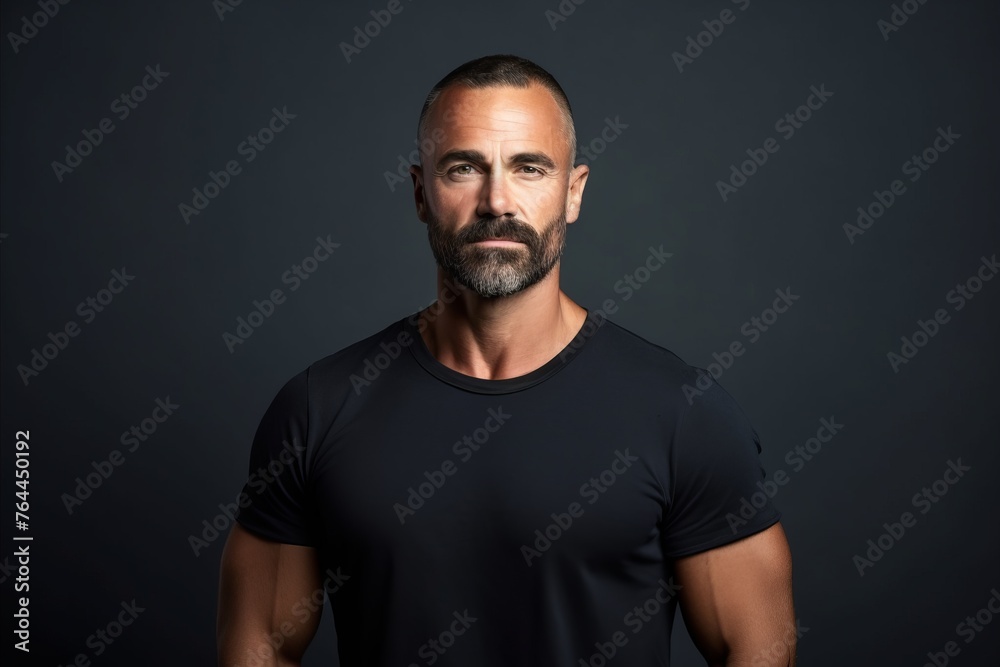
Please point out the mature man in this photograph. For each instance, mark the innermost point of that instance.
(505, 477)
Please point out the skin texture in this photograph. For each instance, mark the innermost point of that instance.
(261, 585)
(737, 601)
(500, 167)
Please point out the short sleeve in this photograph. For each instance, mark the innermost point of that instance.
(716, 492)
(273, 503)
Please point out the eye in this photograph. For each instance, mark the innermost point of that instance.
(461, 170)
(530, 170)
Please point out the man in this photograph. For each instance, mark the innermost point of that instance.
(505, 477)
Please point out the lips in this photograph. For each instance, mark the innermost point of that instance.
(497, 239)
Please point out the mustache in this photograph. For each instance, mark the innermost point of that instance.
(508, 229)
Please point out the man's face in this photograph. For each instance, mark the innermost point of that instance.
(497, 189)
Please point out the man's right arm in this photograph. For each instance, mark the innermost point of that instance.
(261, 583)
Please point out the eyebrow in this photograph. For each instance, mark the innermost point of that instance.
(540, 159)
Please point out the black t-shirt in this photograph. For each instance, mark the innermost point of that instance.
(525, 521)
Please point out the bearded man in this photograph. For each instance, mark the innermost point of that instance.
(505, 477)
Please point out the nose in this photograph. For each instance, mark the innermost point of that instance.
(496, 198)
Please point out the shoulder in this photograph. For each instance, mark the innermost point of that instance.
(655, 367)
(687, 398)
(335, 376)
(378, 350)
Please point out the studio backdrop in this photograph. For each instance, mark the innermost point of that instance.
(200, 199)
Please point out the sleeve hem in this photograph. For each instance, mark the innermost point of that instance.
(721, 539)
(268, 533)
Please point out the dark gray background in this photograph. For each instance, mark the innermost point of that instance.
(655, 184)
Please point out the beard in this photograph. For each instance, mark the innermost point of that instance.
(494, 271)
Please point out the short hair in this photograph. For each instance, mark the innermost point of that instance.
(497, 71)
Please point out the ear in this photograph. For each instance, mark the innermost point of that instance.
(416, 172)
(574, 200)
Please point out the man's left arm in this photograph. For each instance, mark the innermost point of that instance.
(737, 601)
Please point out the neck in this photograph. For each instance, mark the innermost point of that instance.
(501, 337)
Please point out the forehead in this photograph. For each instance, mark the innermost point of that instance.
(463, 117)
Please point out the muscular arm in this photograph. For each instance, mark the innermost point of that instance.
(737, 601)
(261, 583)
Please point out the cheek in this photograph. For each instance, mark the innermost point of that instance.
(543, 201)
(451, 204)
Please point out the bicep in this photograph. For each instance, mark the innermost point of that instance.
(264, 588)
(737, 599)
